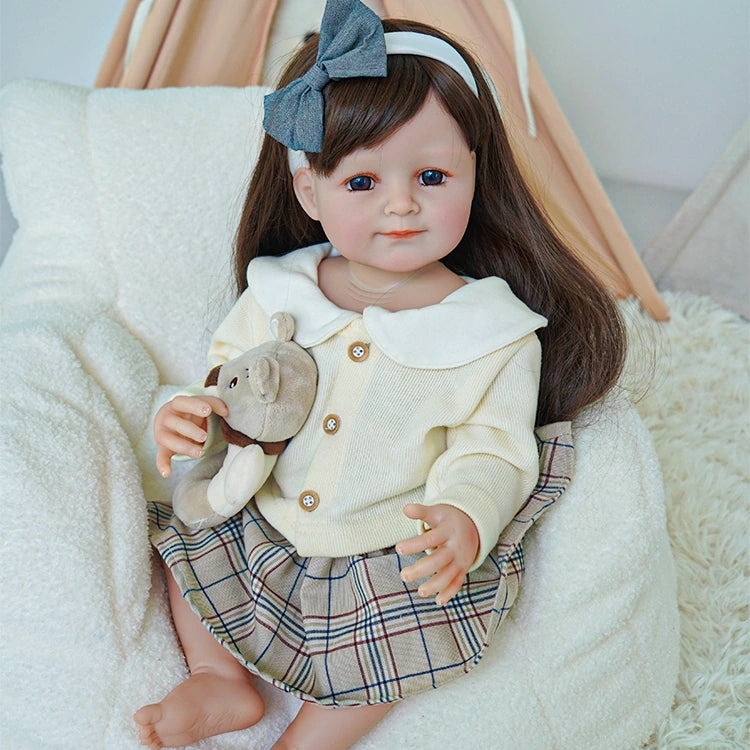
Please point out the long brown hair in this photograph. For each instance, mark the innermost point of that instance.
(508, 235)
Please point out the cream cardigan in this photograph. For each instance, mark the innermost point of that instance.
(432, 405)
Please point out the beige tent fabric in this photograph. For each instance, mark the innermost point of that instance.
(191, 42)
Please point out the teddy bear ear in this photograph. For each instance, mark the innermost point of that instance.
(282, 325)
(213, 377)
(264, 376)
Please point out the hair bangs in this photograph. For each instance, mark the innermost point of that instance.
(364, 112)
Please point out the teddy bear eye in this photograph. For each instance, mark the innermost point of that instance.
(233, 382)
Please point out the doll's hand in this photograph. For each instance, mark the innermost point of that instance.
(454, 539)
(180, 427)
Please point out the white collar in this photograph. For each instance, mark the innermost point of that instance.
(478, 318)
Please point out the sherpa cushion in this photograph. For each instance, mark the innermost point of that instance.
(127, 203)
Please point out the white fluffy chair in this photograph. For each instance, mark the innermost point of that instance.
(127, 203)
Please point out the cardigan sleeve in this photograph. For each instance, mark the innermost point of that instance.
(491, 463)
(243, 328)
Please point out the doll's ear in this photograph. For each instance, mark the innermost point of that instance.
(213, 377)
(304, 189)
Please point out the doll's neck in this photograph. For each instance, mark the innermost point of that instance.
(373, 284)
(353, 286)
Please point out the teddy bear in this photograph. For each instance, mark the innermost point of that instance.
(269, 391)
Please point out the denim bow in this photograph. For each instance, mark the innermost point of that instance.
(351, 45)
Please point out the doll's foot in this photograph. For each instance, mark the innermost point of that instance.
(206, 704)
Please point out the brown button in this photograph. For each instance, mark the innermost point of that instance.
(309, 500)
(331, 424)
(359, 351)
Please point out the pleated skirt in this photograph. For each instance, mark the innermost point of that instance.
(347, 630)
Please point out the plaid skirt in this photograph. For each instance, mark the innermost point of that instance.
(347, 630)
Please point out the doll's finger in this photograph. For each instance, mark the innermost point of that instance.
(193, 432)
(163, 462)
(451, 590)
(427, 565)
(416, 511)
(438, 582)
(421, 542)
(430, 515)
(173, 439)
(199, 406)
(177, 425)
(190, 405)
(181, 446)
(445, 585)
(217, 405)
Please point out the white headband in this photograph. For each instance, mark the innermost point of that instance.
(423, 45)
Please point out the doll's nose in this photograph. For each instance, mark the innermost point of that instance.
(401, 202)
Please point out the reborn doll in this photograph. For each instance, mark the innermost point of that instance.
(268, 391)
(447, 320)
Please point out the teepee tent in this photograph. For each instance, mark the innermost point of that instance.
(193, 43)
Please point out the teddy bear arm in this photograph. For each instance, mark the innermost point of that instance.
(190, 501)
(242, 474)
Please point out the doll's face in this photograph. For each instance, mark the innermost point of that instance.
(401, 205)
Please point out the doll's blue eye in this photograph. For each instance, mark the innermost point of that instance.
(361, 182)
(431, 177)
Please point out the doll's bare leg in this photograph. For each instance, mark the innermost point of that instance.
(316, 727)
(218, 696)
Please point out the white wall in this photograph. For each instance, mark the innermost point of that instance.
(654, 89)
(60, 40)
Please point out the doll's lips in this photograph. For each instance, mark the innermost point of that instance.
(403, 234)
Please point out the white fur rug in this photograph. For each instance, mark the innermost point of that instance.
(697, 408)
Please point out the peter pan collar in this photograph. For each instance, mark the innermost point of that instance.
(477, 319)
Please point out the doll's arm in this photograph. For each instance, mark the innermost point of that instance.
(492, 463)
(453, 539)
